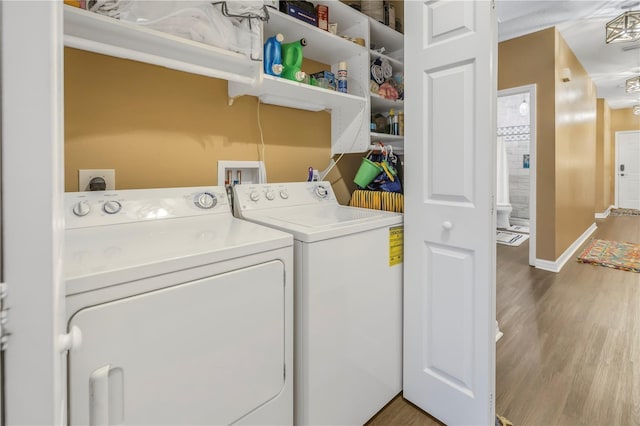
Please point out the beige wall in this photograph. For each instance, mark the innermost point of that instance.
(603, 157)
(530, 60)
(565, 143)
(575, 146)
(164, 128)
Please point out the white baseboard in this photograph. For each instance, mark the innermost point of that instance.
(556, 266)
(605, 214)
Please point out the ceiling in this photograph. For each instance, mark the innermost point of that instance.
(582, 25)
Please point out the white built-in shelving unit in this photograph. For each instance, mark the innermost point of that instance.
(350, 112)
(381, 35)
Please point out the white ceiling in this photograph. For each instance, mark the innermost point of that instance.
(582, 25)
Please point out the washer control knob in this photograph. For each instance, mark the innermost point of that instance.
(321, 191)
(82, 208)
(270, 195)
(284, 194)
(206, 200)
(254, 196)
(111, 207)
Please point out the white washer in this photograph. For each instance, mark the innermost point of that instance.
(186, 313)
(348, 295)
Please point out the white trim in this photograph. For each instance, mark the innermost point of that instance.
(556, 266)
(531, 90)
(604, 214)
(33, 226)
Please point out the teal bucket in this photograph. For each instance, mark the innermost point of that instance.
(366, 173)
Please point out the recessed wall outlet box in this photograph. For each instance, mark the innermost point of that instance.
(241, 172)
(86, 175)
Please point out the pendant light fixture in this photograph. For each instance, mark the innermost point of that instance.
(524, 107)
(636, 109)
(625, 27)
(633, 84)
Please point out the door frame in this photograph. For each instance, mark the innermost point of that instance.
(531, 90)
(616, 163)
(32, 210)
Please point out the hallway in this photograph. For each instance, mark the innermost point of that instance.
(570, 354)
(572, 339)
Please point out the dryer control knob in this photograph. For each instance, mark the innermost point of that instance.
(254, 196)
(206, 200)
(270, 195)
(111, 207)
(321, 191)
(82, 208)
(284, 194)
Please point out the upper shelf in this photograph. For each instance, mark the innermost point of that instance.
(101, 34)
(392, 40)
(283, 92)
(322, 46)
(380, 104)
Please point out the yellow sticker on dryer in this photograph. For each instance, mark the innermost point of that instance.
(396, 244)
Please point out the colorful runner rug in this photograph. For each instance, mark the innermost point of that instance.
(612, 254)
(625, 212)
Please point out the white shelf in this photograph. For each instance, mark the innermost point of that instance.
(96, 33)
(380, 104)
(382, 35)
(283, 92)
(322, 46)
(385, 137)
(397, 65)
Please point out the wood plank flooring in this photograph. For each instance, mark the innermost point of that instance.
(570, 354)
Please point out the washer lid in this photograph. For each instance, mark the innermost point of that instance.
(101, 256)
(321, 222)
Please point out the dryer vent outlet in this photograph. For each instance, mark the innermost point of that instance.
(96, 179)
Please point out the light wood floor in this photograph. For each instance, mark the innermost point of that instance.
(570, 354)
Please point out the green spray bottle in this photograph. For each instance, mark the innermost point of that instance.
(292, 60)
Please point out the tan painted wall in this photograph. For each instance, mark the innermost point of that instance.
(530, 60)
(575, 149)
(622, 120)
(163, 128)
(603, 157)
(566, 127)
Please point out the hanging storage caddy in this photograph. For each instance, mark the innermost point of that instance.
(379, 181)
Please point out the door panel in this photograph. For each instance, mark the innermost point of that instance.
(449, 280)
(203, 352)
(628, 169)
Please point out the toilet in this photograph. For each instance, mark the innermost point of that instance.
(503, 207)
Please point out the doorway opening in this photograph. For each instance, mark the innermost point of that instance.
(516, 118)
(627, 176)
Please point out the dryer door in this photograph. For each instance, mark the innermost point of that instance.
(202, 352)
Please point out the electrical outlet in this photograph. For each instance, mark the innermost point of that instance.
(85, 176)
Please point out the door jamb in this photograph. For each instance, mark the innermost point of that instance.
(531, 90)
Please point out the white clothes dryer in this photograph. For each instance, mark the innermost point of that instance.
(185, 312)
(348, 298)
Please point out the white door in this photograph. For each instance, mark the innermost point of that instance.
(142, 361)
(628, 170)
(449, 279)
(32, 225)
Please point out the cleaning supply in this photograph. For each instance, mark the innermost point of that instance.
(401, 123)
(393, 122)
(273, 55)
(292, 60)
(342, 77)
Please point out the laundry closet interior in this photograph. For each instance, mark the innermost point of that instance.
(163, 113)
